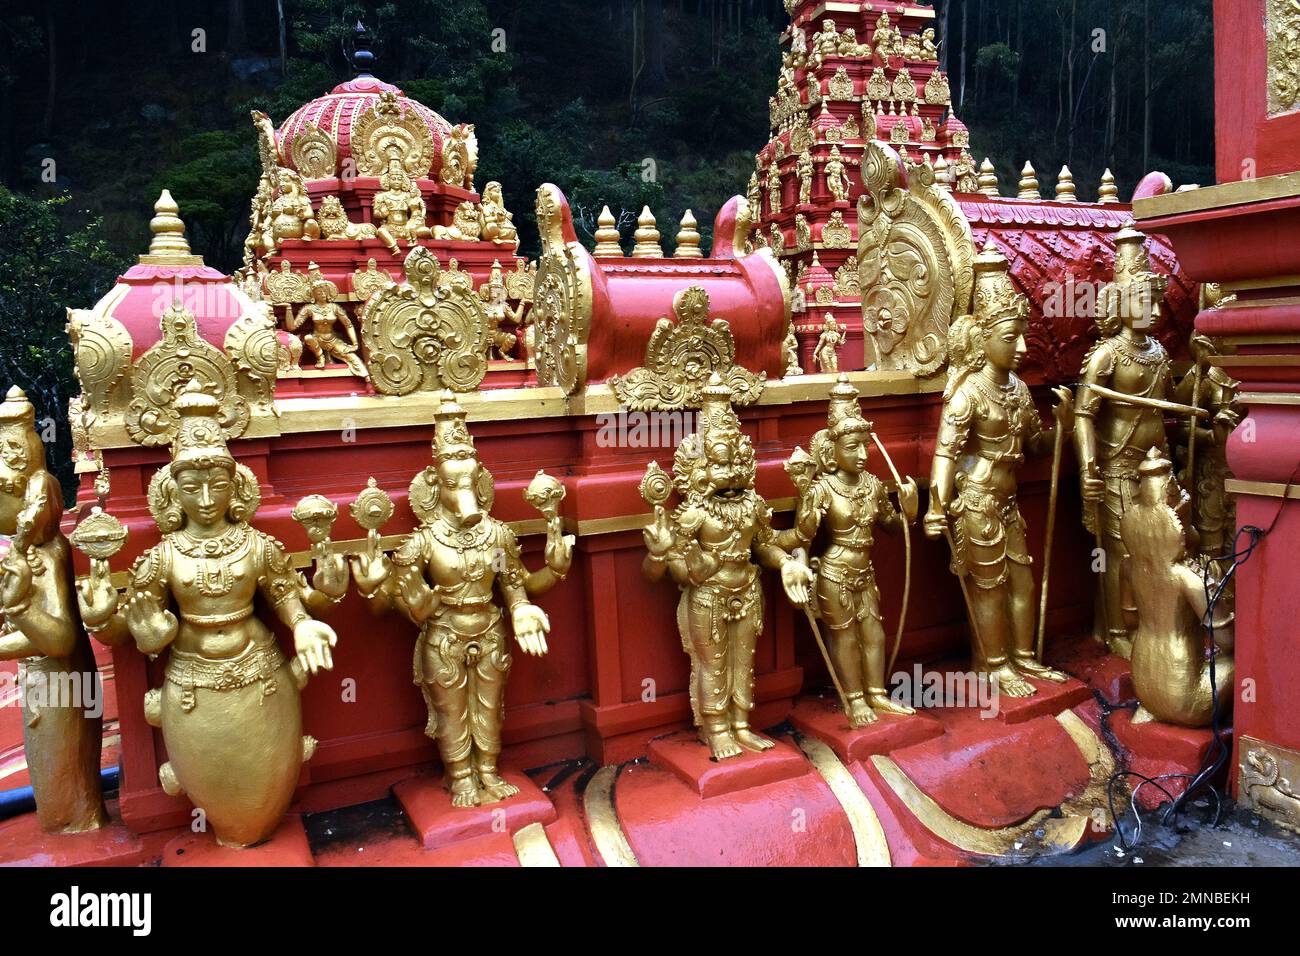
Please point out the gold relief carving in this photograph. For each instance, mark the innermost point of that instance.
(681, 356)
(778, 240)
(916, 263)
(255, 350)
(284, 286)
(389, 131)
(520, 283)
(182, 357)
(561, 300)
(1266, 781)
(878, 86)
(825, 295)
(840, 86)
(425, 334)
(101, 347)
(802, 233)
(314, 154)
(366, 282)
(937, 92)
(458, 157)
(334, 222)
(904, 89)
(1283, 37)
(836, 234)
(851, 129)
(848, 285)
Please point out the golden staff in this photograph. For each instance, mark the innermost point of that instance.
(965, 589)
(1191, 438)
(826, 654)
(907, 553)
(1160, 404)
(1051, 531)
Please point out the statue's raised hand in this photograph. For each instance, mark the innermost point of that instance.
(331, 576)
(796, 578)
(370, 571)
(531, 627)
(15, 578)
(96, 597)
(312, 640)
(909, 499)
(418, 597)
(152, 626)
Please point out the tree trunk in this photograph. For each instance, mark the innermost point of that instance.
(1146, 86)
(236, 27)
(965, 7)
(52, 74)
(284, 46)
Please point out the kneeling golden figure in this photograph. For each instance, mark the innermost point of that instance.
(229, 710)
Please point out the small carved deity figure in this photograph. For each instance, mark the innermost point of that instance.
(59, 687)
(325, 316)
(261, 237)
(837, 176)
(883, 38)
(499, 312)
(843, 497)
(774, 189)
(335, 224)
(929, 48)
(829, 342)
(1113, 433)
(804, 167)
(710, 546)
(498, 222)
(988, 426)
(1171, 674)
(753, 194)
(798, 47)
(399, 208)
(291, 213)
(229, 708)
(826, 43)
(791, 348)
(443, 578)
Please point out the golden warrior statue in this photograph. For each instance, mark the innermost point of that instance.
(842, 496)
(229, 709)
(443, 578)
(1114, 432)
(989, 424)
(709, 547)
(324, 316)
(57, 678)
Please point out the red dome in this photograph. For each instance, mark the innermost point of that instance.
(335, 112)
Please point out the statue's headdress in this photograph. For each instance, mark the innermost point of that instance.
(451, 437)
(996, 300)
(318, 281)
(844, 414)
(1132, 271)
(200, 441)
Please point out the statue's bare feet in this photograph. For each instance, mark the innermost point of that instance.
(860, 713)
(1030, 666)
(1120, 644)
(752, 741)
(494, 788)
(723, 745)
(884, 704)
(464, 793)
(1011, 683)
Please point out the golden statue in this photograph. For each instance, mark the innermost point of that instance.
(325, 315)
(791, 349)
(229, 709)
(710, 546)
(335, 224)
(829, 343)
(58, 682)
(496, 304)
(399, 208)
(838, 493)
(988, 426)
(442, 577)
(466, 224)
(1170, 672)
(804, 167)
(837, 176)
(774, 189)
(1120, 416)
(291, 213)
(498, 222)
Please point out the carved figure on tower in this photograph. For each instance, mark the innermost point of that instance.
(712, 545)
(399, 208)
(988, 426)
(325, 317)
(498, 222)
(291, 212)
(804, 168)
(837, 176)
(829, 343)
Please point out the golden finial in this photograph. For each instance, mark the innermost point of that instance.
(688, 239)
(1065, 186)
(1109, 192)
(647, 237)
(1029, 183)
(943, 174)
(608, 240)
(988, 178)
(169, 245)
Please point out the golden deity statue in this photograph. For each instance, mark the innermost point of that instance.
(1171, 674)
(399, 208)
(774, 189)
(499, 312)
(444, 577)
(498, 222)
(988, 426)
(1125, 378)
(712, 546)
(326, 316)
(840, 495)
(837, 176)
(229, 708)
(825, 43)
(829, 343)
(804, 167)
(59, 686)
(791, 349)
(291, 212)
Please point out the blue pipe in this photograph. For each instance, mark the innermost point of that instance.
(22, 800)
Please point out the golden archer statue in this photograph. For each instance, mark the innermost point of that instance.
(229, 709)
(709, 547)
(57, 678)
(443, 577)
(989, 424)
(839, 494)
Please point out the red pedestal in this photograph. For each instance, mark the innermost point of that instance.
(690, 761)
(438, 824)
(287, 847)
(824, 719)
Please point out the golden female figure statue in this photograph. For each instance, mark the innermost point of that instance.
(1170, 672)
(443, 578)
(832, 338)
(709, 547)
(989, 424)
(57, 678)
(229, 710)
(1114, 432)
(498, 222)
(291, 212)
(850, 503)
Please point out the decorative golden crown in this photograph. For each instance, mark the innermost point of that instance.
(16, 409)
(200, 439)
(451, 437)
(844, 414)
(996, 297)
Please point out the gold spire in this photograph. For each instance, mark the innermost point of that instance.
(988, 178)
(943, 173)
(1065, 186)
(608, 240)
(647, 237)
(688, 239)
(169, 245)
(1109, 192)
(1029, 183)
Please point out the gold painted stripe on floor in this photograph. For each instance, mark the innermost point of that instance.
(868, 834)
(602, 819)
(534, 847)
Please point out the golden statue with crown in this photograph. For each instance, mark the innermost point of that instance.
(229, 708)
(444, 577)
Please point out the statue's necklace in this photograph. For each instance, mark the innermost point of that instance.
(1149, 355)
(470, 545)
(214, 575)
(857, 495)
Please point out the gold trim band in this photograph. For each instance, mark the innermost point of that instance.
(533, 847)
(868, 834)
(602, 819)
